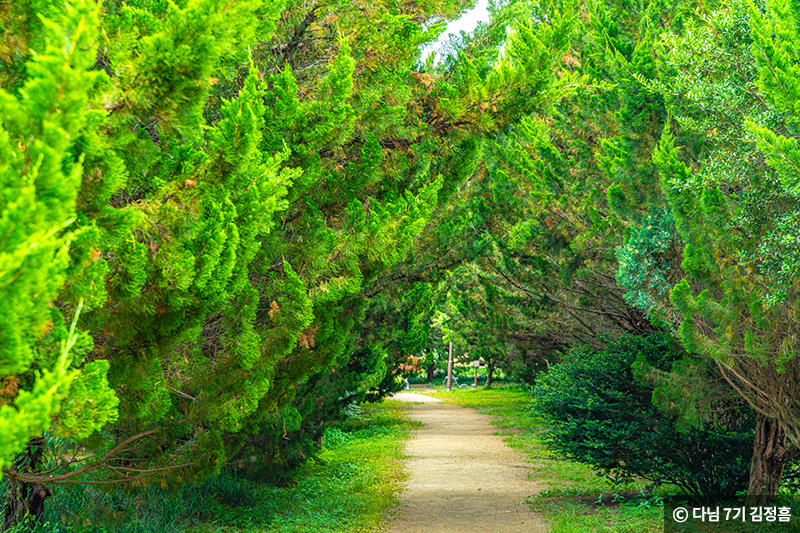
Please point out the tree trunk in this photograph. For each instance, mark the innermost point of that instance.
(489, 374)
(26, 499)
(430, 371)
(770, 455)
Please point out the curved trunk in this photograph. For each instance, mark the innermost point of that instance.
(770, 455)
(25, 499)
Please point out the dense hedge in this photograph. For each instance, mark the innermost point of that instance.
(600, 415)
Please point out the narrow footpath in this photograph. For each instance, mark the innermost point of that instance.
(462, 478)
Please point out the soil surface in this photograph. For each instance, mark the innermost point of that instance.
(462, 477)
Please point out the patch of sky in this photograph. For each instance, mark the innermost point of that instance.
(466, 23)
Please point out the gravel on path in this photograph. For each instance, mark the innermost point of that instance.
(462, 477)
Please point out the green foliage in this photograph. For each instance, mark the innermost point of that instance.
(235, 176)
(645, 264)
(732, 213)
(47, 117)
(562, 187)
(266, 206)
(349, 488)
(599, 414)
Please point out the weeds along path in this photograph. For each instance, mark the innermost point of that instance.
(462, 477)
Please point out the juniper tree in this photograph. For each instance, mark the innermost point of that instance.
(377, 187)
(54, 166)
(735, 216)
(264, 207)
(455, 235)
(239, 176)
(722, 216)
(560, 191)
(153, 298)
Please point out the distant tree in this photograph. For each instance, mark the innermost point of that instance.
(482, 319)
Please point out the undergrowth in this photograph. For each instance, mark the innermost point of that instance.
(349, 488)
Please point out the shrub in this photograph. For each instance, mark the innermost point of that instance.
(600, 415)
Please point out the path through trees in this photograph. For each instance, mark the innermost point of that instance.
(462, 477)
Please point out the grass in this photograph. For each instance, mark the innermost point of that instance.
(573, 499)
(348, 490)
(351, 488)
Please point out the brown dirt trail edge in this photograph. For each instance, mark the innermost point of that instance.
(462, 478)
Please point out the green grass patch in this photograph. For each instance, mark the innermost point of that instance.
(574, 499)
(349, 489)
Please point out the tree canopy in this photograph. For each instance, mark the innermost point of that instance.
(221, 223)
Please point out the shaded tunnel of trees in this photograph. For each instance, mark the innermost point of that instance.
(222, 223)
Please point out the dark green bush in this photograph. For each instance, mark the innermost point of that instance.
(600, 415)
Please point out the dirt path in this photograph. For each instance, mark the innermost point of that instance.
(462, 478)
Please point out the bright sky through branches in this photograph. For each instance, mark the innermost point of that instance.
(466, 23)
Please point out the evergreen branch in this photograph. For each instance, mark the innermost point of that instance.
(127, 479)
(723, 368)
(183, 394)
(568, 308)
(289, 49)
(27, 478)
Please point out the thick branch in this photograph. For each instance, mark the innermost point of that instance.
(30, 478)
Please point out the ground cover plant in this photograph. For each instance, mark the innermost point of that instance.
(349, 487)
